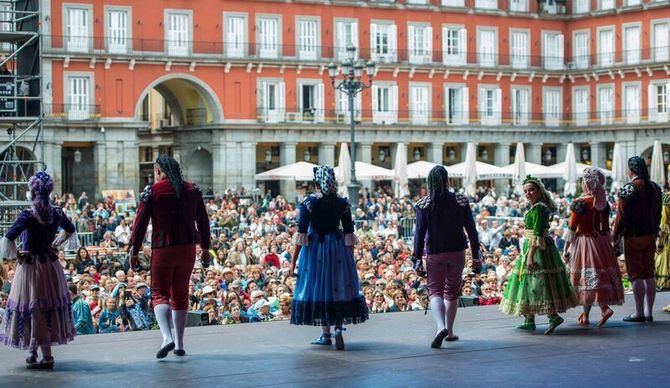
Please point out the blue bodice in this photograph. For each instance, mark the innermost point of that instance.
(37, 238)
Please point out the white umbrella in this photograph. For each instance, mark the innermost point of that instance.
(534, 169)
(619, 168)
(484, 171)
(300, 171)
(558, 170)
(370, 172)
(519, 168)
(570, 171)
(420, 169)
(343, 171)
(470, 171)
(400, 178)
(657, 174)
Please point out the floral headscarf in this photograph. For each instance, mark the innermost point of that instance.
(593, 184)
(324, 176)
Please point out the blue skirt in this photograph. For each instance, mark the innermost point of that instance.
(327, 291)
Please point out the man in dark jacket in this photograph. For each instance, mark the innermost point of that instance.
(441, 218)
(637, 222)
(179, 221)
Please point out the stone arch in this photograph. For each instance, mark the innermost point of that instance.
(199, 168)
(184, 92)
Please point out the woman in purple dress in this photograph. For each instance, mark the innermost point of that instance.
(39, 308)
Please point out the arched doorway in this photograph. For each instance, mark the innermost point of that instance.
(18, 165)
(198, 169)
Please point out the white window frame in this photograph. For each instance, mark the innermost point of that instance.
(521, 116)
(453, 3)
(78, 44)
(632, 3)
(581, 109)
(492, 116)
(607, 105)
(631, 110)
(318, 115)
(341, 47)
(552, 118)
(655, 100)
(170, 48)
(632, 55)
(424, 53)
(462, 115)
(581, 60)
(303, 49)
(277, 114)
(420, 115)
(518, 5)
(343, 115)
(484, 58)
(236, 49)
(519, 59)
(391, 115)
(553, 52)
(80, 110)
(606, 5)
(114, 47)
(459, 59)
(581, 6)
(392, 54)
(486, 4)
(605, 58)
(661, 53)
(269, 49)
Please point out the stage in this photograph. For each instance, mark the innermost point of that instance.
(389, 350)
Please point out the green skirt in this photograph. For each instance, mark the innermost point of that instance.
(544, 290)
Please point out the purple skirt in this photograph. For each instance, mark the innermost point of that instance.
(39, 308)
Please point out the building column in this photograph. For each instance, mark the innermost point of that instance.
(54, 164)
(501, 159)
(364, 154)
(435, 153)
(219, 166)
(327, 154)
(248, 150)
(130, 165)
(464, 151)
(233, 166)
(598, 154)
(287, 156)
(534, 153)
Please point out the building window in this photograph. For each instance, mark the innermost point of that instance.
(632, 3)
(235, 39)
(606, 4)
(631, 95)
(78, 98)
(580, 50)
(487, 49)
(661, 42)
(457, 107)
(581, 6)
(518, 5)
(580, 106)
(419, 104)
(659, 102)
(606, 104)
(420, 43)
(632, 44)
(520, 57)
(552, 107)
(271, 101)
(311, 100)
(384, 104)
(268, 37)
(418, 2)
(343, 114)
(453, 3)
(308, 39)
(606, 47)
(454, 46)
(552, 51)
(490, 99)
(78, 26)
(346, 33)
(486, 4)
(520, 106)
(178, 33)
(383, 42)
(118, 36)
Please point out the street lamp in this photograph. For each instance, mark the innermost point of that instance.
(351, 84)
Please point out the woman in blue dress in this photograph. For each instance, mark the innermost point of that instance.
(39, 307)
(327, 292)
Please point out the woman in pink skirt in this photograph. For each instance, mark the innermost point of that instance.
(39, 307)
(592, 263)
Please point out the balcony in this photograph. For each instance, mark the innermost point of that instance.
(71, 112)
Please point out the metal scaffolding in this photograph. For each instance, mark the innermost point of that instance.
(21, 110)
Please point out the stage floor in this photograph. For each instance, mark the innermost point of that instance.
(389, 350)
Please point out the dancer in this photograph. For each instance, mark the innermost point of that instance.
(539, 283)
(441, 218)
(663, 248)
(39, 308)
(326, 292)
(592, 263)
(179, 220)
(637, 223)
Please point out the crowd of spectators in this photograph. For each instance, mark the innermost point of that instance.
(247, 279)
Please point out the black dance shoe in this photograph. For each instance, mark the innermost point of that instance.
(180, 352)
(439, 338)
(630, 318)
(165, 350)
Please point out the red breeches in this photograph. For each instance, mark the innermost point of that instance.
(171, 269)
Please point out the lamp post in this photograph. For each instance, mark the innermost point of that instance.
(351, 84)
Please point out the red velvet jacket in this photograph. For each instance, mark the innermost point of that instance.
(174, 222)
(638, 210)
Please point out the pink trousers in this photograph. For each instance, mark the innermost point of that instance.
(445, 272)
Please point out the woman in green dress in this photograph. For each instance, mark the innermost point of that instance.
(539, 283)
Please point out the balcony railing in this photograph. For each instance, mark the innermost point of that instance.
(473, 118)
(71, 112)
(225, 51)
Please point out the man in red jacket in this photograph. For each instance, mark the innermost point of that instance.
(179, 219)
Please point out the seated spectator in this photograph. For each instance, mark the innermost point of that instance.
(379, 304)
(235, 315)
(83, 321)
(399, 302)
(110, 319)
